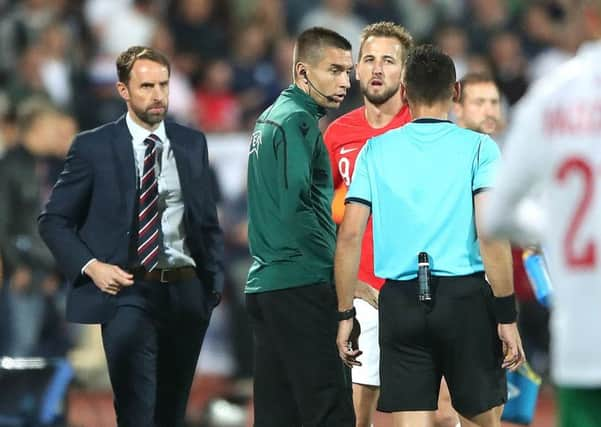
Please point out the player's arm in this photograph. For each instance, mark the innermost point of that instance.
(496, 256)
(346, 267)
(348, 252)
(525, 157)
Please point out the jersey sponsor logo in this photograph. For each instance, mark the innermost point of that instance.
(255, 143)
(344, 150)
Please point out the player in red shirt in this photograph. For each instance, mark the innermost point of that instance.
(382, 51)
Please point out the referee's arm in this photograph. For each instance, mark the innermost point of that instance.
(346, 266)
(496, 256)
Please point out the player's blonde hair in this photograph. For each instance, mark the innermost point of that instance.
(390, 30)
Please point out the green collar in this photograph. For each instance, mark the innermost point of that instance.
(298, 95)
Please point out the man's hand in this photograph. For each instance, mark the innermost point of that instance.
(347, 349)
(367, 293)
(513, 351)
(108, 278)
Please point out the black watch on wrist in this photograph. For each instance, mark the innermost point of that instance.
(347, 314)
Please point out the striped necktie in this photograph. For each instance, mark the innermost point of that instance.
(148, 213)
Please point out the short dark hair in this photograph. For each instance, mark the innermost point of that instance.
(429, 75)
(388, 30)
(475, 78)
(310, 44)
(127, 59)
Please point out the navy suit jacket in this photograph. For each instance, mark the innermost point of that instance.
(90, 213)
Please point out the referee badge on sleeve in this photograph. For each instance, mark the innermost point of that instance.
(255, 143)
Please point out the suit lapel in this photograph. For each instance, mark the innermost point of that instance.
(181, 158)
(126, 165)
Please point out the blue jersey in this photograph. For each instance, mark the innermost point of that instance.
(420, 180)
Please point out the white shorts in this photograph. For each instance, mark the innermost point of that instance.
(369, 371)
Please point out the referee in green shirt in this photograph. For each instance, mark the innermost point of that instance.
(299, 379)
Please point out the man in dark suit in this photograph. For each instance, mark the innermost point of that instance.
(133, 225)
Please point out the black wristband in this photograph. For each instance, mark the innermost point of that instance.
(505, 309)
(347, 314)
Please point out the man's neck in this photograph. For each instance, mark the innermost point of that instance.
(439, 110)
(379, 116)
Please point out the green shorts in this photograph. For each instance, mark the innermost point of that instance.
(579, 407)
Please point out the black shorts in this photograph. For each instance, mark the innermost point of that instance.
(455, 336)
(299, 378)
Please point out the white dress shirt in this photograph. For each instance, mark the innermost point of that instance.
(173, 250)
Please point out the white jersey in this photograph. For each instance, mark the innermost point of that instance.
(555, 142)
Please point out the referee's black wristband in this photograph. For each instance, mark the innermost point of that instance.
(346, 314)
(505, 309)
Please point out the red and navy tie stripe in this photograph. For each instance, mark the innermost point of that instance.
(148, 213)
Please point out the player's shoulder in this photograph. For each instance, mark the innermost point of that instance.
(352, 119)
(344, 128)
(403, 116)
(474, 139)
(564, 81)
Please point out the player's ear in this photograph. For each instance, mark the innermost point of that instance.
(456, 92)
(404, 94)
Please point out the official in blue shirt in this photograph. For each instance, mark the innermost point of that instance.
(425, 185)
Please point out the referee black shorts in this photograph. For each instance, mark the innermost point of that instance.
(299, 381)
(455, 336)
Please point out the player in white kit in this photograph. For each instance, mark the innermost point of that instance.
(555, 141)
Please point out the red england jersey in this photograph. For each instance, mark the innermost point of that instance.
(344, 138)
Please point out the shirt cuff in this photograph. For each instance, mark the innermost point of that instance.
(83, 269)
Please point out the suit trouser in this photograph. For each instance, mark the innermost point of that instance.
(299, 377)
(152, 345)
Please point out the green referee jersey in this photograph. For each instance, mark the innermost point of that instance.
(291, 233)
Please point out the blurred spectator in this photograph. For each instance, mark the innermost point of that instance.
(479, 64)
(509, 64)
(557, 33)
(254, 78)
(283, 53)
(27, 81)
(198, 36)
(337, 15)
(88, 360)
(20, 28)
(421, 17)
(269, 14)
(453, 41)
(181, 93)
(129, 24)
(7, 126)
(485, 19)
(377, 10)
(97, 12)
(26, 177)
(218, 107)
(55, 67)
(295, 11)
